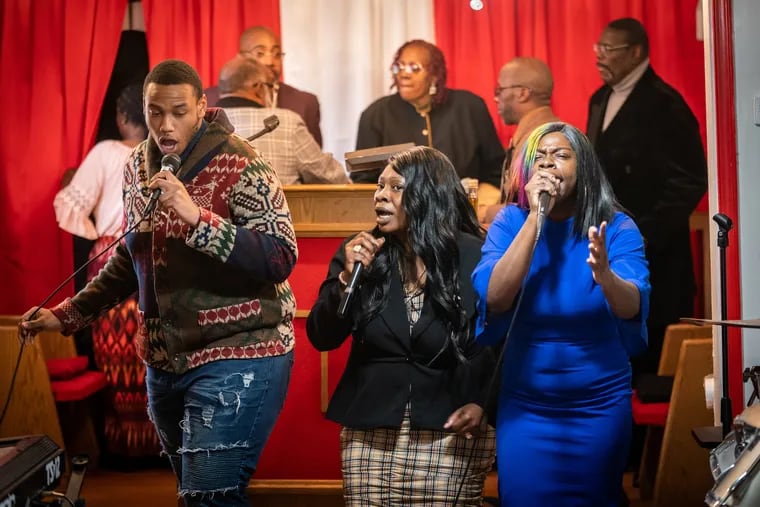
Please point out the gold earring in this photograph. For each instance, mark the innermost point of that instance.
(433, 89)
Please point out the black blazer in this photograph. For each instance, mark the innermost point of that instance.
(388, 366)
(462, 129)
(653, 156)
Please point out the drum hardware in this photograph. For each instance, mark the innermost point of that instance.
(735, 464)
(753, 375)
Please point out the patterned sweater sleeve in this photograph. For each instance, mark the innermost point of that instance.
(259, 238)
(114, 283)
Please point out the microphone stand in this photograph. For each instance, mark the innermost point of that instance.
(724, 225)
(709, 437)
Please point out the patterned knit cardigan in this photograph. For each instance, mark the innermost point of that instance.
(215, 291)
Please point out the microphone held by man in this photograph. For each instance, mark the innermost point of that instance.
(174, 196)
(170, 163)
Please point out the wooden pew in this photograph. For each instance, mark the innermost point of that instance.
(74, 419)
(31, 408)
(683, 474)
(77, 417)
(675, 335)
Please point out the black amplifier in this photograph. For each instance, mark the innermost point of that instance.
(28, 465)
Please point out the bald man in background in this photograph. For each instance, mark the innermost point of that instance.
(246, 87)
(523, 96)
(262, 45)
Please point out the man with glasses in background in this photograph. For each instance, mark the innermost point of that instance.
(260, 44)
(649, 144)
(523, 97)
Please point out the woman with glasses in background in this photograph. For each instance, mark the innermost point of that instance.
(427, 113)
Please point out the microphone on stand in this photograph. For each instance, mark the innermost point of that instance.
(171, 163)
(270, 123)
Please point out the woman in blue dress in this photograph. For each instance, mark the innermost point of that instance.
(564, 416)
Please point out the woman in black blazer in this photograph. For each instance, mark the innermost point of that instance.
(411, 398)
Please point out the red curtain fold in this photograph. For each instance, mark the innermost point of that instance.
(204, 33)
(57, 59)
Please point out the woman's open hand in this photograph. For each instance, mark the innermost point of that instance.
(466, 420)
(597, 254)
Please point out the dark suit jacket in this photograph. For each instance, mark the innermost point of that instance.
(303, 103)
(386, 359)
(653, 156)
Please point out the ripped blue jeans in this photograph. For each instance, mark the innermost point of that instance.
(213, 422)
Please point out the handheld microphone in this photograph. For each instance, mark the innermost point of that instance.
(543, 203)
(171, 163)
(348, 292)
(270, 123)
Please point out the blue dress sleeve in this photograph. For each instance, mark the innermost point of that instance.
(626, 254)
(491, 328)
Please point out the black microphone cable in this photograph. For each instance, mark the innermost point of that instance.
(46, 300)
(167, 161)
(499, 360)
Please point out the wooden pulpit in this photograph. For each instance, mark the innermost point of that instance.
(304, 445)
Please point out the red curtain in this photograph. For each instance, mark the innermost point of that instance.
(204, 33)
(56, 59)
(560, 32)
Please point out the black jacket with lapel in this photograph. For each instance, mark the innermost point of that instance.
(389, 365)
(653, 156)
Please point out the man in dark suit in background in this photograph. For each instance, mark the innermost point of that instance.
(649, 143)
(259, 43)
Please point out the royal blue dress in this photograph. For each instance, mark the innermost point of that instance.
(563, 427)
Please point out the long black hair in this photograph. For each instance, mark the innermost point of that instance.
(437, 211)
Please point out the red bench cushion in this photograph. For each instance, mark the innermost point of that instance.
(66, 368)
(649, 414)
(79, 387)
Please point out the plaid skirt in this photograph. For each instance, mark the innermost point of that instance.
(405, 466)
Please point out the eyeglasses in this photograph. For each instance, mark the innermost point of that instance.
(268, 85)
(498, 89)
(257, 54)
(411, 68)
(603, 49)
